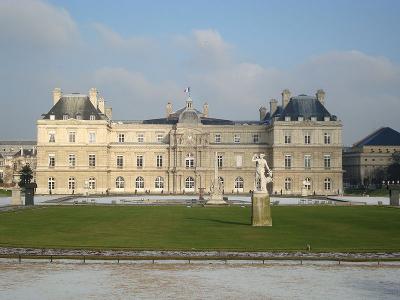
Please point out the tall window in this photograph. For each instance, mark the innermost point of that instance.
(140, 138)
(159, 161)
(92, 117)
(159, 183)
(1, 175)
(51, 183)
(327, 138)
(288, 161)
(121, 138)
(256, 138)
(120, 161)
(120, 182)
(236, 138)
(288, 184)
(92, 160)
(307, 183)
(139, 161)
(189, 161)
(160, 137)
(307, 138)
(220, 159)
(71, 183)
(327, 184)
(92, 137)
(71, 160)
(239, 183)
(92, 183)
(52, 160)
(221, 180)
(217, 138)
(71, 136)
(189, 183)
(307, 161)
(288, 138)
(139, 182)
(327, 161)
(52, 137)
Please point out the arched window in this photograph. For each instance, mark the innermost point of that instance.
(327, 184)
(71, 183)
(139, 183)
(120, 182)
(239, 184)
(189, 183)
(159, 183)
(307, 183)
(288, 184)
(189, 160)
(51, 183)
(92, 183)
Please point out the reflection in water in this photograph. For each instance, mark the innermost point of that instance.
(38, 280)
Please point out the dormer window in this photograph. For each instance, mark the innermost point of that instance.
(78, 116)
(52, 117)
(65, 117)
(300, 118)
(326, 119)
(287, 118)
(314, 119)
(92, 117)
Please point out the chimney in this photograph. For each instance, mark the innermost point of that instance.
(263, 112)
(273, 105)
(285, 97)
(321, 96)
(57, 94)
(93, 96)
(101, 105)
(169, 109)
(205, 110)
(108, 112)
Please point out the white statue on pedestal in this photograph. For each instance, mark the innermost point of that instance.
(261, 180)
(216, 193)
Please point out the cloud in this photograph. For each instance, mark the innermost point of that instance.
(32, 25)
(114, 40)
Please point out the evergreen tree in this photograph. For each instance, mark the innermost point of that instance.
(26, 176)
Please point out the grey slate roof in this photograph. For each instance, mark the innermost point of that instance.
(384, 136)
(301, 106)
(73, 105)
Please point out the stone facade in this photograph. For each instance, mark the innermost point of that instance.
(366, 161)
(82, 150)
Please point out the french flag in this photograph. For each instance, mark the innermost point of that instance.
(187, 90)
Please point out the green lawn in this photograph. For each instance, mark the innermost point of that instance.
(5, 193)
(369, 228)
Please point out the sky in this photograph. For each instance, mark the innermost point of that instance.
(235, 55)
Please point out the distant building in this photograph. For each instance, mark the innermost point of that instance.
(13, 156)
(82, 150)
(365, 162)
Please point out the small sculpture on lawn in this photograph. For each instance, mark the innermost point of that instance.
(263, 173)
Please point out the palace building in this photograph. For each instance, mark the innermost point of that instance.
(81, 149)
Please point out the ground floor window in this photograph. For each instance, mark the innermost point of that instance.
(139, 183)
(327, 184)
(189, 183)
(71, 183)
(288, 184)
(51, 183)
(120, 182)
(239, 184)
(92, 183)
(159, 183)
(307, 183)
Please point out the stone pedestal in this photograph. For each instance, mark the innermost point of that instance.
(261, 210)
(394, 197)
(16, 196)
(216, 199)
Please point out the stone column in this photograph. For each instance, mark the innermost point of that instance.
(261, 210)
(16, 196)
